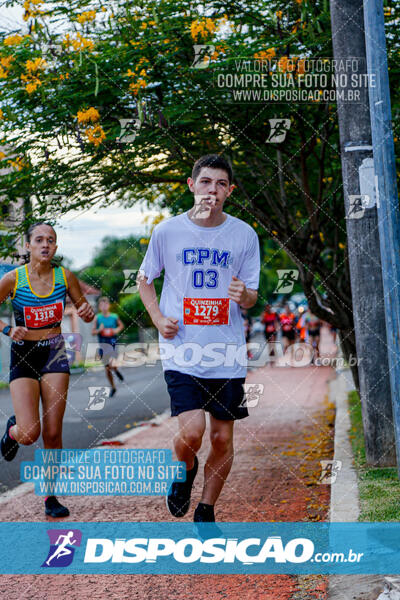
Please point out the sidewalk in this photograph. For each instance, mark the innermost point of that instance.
(274, 478)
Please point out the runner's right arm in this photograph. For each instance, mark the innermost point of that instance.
(150, 269)
(120, 326)
(7, 283)
(167, 326)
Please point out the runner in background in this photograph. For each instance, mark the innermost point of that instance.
(248, 325)
(270, 319)
(333, 331)
(313, 325)
(288, 323)
(107, 326)
(39, 368)
(301, 327)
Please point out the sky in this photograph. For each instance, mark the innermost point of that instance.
(10, 17)
(80, 234)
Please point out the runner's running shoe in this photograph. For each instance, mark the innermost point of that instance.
(178, 499)
(204, 522)
(9, 447)
(53, 508)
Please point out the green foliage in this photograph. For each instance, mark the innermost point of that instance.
(357, 433)
(117, 253)
(106, 273)
(135, 60)
(133, 314)
(272, 259)
(182, 111)
(109, 262)
(110, 284)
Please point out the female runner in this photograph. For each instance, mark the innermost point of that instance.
(39, 366)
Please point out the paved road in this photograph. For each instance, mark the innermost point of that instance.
(142, 395)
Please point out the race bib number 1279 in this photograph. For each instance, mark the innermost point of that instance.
(206, 311)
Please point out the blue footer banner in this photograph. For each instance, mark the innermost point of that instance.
(160, 548)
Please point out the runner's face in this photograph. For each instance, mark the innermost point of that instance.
(43, 244)
(212, 187)
(104, 305)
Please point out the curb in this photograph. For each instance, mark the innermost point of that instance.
(158, 420)
(345, 502)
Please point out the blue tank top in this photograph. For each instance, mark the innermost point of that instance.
(34, 311)
(109, 322)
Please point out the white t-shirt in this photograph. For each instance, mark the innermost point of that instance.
(199, 263)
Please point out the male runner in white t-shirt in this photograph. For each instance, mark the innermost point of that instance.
(212, 264)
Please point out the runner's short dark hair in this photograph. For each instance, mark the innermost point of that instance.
(215, 162)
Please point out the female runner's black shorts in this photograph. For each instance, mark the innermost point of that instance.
(36, 358)
(223, 398)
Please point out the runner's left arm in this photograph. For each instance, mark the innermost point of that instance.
(243, 287)
(95, 328)
(120, 327)
(83, 307)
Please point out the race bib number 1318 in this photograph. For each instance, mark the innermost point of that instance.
(43, 316)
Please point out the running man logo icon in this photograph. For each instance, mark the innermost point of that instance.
(279, 129)
(394, 583)
(287, 279)
(129, 130)
(73, 344)
(59, 356)
(50, 53)
(62, 547)
(252, 393)
(132, 279)
(202, 55)
(329, 471)
(97, 397)
(357, 206)
(202, 206)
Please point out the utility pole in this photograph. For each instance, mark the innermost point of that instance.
(367, 289)
(386, 189)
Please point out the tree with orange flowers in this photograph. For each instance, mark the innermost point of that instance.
(114, 102)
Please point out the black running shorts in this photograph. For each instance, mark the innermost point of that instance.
(269, 334)
(222, 398)
(314, 332)
(290, 335)
(33, 359)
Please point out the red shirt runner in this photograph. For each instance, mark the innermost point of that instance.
(287, 321)
(269, 319)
